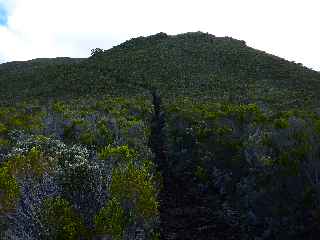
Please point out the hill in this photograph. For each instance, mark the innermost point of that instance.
(162, 137)
(198, 65)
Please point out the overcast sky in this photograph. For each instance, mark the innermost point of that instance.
(49, 28)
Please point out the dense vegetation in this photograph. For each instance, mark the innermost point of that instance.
(164, 137)
(197, 65)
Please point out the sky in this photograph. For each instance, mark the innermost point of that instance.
(71, 28)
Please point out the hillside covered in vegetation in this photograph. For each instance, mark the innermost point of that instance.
(162, 137)
(196, 65)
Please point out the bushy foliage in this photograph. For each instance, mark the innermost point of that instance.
(111, 219)
(9, 190)
(3, 128)
(74, 157)
(66, 171)
(60, 220)
(95, 52)
(135, 186)
(84, 186)
(256, 164)
(31, 163)
(118, 154)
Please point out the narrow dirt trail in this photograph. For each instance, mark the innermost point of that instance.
(185, 211)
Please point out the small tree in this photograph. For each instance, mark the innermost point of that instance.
(96, 51)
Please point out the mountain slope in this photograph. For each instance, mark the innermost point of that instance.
(192, 64)
(102, 158)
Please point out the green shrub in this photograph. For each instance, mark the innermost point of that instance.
(80, 186)
(111, 219)
(68, 132)
(201, 174)
(281, 123)
(18, 119)
(60, 220)
(104, 132)
(87, 138)
(289, 162)
(136, 185)
(4, 142)
(79, 122)
(16, 122)
(59, 107)
(122, 153)
(3, 129)
(317, 126)
(32, 163)
(9, 190)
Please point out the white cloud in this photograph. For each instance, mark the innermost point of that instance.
(49, 28)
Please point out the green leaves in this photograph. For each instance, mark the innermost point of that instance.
(281, 123)
(135, 184)
(3, 128)
(9, 190)
(119, 153)
(61, 221)
(111, 219)
(33, 163)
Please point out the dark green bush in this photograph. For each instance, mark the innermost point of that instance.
(9, 190)
(61, 221)
(111, 220)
